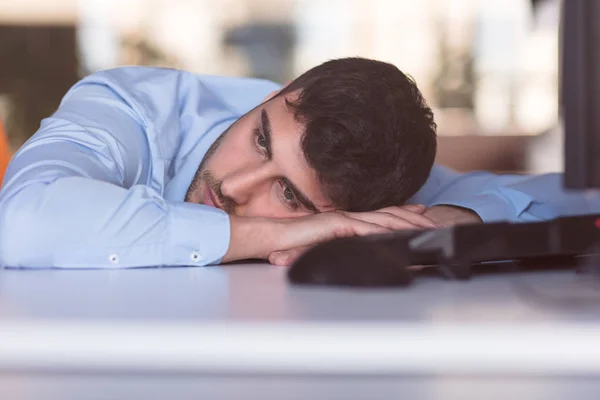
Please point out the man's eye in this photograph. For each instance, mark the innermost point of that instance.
(288, 194)
(289, 197)
(261, 141)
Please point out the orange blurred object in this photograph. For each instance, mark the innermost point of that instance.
(5, 153)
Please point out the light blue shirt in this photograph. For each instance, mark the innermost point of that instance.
(102, 182)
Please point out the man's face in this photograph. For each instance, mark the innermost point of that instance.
(257, 168)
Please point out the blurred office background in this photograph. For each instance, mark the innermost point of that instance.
(489, 68)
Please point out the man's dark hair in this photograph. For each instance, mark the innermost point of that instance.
(369, 134)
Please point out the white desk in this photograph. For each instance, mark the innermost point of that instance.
(242, 332)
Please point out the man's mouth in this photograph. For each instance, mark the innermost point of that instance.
(210, 198)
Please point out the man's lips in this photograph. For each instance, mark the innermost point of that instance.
(210, 199)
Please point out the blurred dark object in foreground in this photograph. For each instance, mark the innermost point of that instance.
(456, 251)
(39, 64)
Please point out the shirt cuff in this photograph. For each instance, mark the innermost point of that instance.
(198, 235)
(492, 208)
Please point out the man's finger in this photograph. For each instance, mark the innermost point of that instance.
(416, 208)
(287, 257)
(279, 258)
(387, 220)
(394, 221)
(416, 218)
(363, 227)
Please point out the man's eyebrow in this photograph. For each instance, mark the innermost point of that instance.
(267, 132)
(301, 197)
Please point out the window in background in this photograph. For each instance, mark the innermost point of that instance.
(487, 67)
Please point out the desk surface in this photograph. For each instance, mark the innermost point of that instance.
(182, 326)
(258, 292)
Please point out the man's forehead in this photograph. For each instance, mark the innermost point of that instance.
(279, 110)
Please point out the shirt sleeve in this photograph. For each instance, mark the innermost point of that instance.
(515, 198)
(80, 192)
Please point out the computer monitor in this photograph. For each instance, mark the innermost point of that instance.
(580, 92)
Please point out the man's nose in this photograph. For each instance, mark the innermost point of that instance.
(241, 184)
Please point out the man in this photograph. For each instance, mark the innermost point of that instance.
(148, 167)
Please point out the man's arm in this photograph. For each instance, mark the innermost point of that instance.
(516, 198)
(81, 192)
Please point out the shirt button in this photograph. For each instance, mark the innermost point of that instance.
(113, 258)
(195, 256)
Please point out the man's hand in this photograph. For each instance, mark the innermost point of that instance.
(452, 215)
(281, 240)
(442, 216)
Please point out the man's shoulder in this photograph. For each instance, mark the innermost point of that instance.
(142, 82)
(135, 73)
